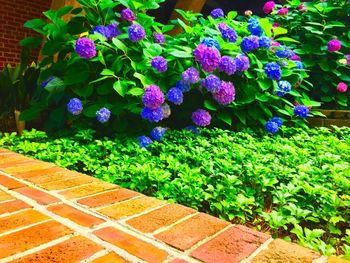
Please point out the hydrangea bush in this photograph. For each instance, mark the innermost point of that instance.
(119, 69)
(320, 30)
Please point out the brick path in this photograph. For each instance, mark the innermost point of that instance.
(50, 214)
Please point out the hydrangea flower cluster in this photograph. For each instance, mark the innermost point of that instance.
(211, 83)
(190, 75)
(153, 97)
(254, 27)
(75, 106)
(127, 15)
(273, 125)
(159, 38)
(183, 86)
(273, 71)
(225, 93)
(342, 87)
(284, 52)
(298, 64)
(334, 45)
(211, 42)
(242, 63)
(103, 115)
(158, 133)
(144, 141)
(85, 48)
(109, 31)
(136, 33)
(175, 96)
(159, 63)
(268, 7)
(166, 111)
(192, 128)
(302, 111)
(201, 118)
(228, 33)
(250, 43)
(283, 11)
(283, 87)
(208, 57)
(348, 59)
(217, 13)
(155, 115)
(227, 65)
(264, 42)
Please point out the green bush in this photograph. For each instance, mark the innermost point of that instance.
(116, 77)
(313, 27)
(289, 184)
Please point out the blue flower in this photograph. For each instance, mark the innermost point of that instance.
(242, 63)
(284, 53)
(211, 83)
(183, 86)
(104, 31)
(216, 13)
(228, 33)
(227, 65)
(211, 42)
(264, 42)
(152, 115)
(47, 81)
(158, 133)
(271, 127)
(273, 71)
(192, 128)
(301, 111)
(136, 33)
(254, 27)
(284, 86)
(144, 141)
(113, 31)
(175, 96)
(250, 43)
(103, 115)
(277, 120)
(298, 64)
(75, 106)
(159, 63)
(190, 75)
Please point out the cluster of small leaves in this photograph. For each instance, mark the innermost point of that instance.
(313, 26)
(289, 184)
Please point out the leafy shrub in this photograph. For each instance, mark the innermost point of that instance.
(317, 26)
(104, 65)
(289, 184)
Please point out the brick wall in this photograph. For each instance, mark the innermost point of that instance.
(13, 14)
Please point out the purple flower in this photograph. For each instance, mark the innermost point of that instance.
(264, 42)
(242, 63)
(348, 60)
(284, 52)
(254, 27)
(153, 97)
(159, 63)
(271, 127)
(227, 65)
(201, 118)
(228, 33)
(103, 115)
(216, 13)
(277, 120)
(250, 43)
(301, 111)
(211, 42)
(75, 106)
(85, 48)
(295, 57)
(166, 111)
(113, 31)
(199, 52)
(225, 93)
(190, 75)
(183, 86)
(175, 96)
(158, 133)
(101, 30)
(273, 71)
(268, 7)
(136, 33)
(144, 141)
(211, 83)
(159, 38)
(152, 115)
(334, 45)
(128, 15)
(210, 59)
(192, 128)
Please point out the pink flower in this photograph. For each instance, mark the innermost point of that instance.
(301, 7)
(268, 7)
(275, 25)
(333, 45)
(283, 11)
(342, 87)
(295, 57)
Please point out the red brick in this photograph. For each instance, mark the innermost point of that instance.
(161, 217)
(88, 189)
(75, 215)
(233, 245)
(107, 198)
(75, 249)
(37, 195)
(20, 219)
(131, 207)
(286, 252)
(131, 244)
(5, 196)
(189, 232)
(9, 182)
(178, 260)
(110, 258)
(31, 237)
(12, 206)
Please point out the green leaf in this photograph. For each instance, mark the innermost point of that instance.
(120, 87)
(31, 42)
(180, 54)
(225, 117)
(76, 73)
(287, 39)
(210, 105)
(136, 91)
(119, 44)
(107, 72)
(64, 10)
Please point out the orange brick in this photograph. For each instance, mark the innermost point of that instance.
(75, 249)
(132, 207)
(47, 172)
(20, 219)
(161, 217)
(10, 183)
(110, 258)
(12, 206)
(178, 260)
(63, 184)
(13, 162)
(75, 215)
(107, 198)
(50, 175)
(88, 189)
(189, 232)
(5, 196)
(336, 260)
(232, 245)
(28, 166)
(31, 237)
(131, 244)
(37, 195)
